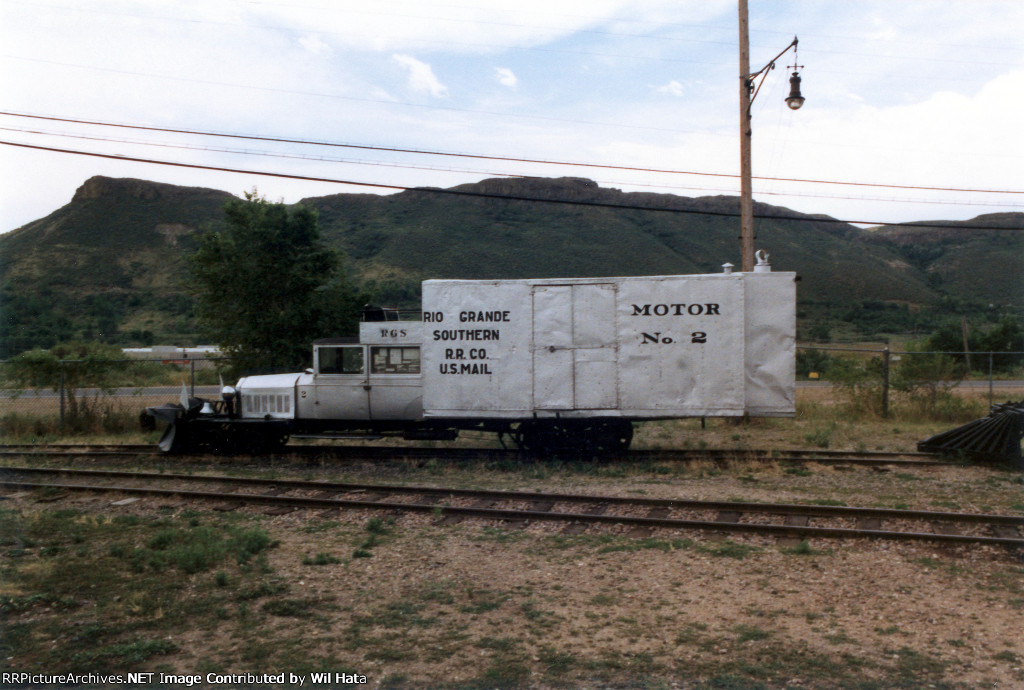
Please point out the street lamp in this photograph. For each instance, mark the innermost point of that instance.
(794, 100)
(748, 92)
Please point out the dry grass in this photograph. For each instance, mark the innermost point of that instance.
(28, 420)
(158, 585)
(823, 421)
(163, 586)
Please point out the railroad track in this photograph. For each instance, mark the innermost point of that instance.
(517, 508)
(62, 449)
(499, 454)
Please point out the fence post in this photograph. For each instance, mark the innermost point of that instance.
(885, 381)
(61, 397)
(990, 384)
(967, 347)
(192, 376)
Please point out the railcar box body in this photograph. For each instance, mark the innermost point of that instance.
(643, 347)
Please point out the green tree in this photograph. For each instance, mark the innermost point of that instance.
(267, 285)
(808, 361)
(947, 338)
(1007, 336)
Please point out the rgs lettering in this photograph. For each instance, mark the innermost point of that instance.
(676, 309)
(393, 333)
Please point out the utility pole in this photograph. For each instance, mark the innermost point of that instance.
(747, 95)
(746, 187)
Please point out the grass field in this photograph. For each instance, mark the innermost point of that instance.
(825, 418)
(163, 586)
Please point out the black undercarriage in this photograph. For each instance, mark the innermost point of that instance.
(209, 428)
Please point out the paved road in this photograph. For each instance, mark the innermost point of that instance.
(170, 392)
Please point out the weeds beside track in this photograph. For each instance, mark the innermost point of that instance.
(384, 453)
(520, 507)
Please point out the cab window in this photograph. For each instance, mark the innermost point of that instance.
(341, 360)
(394, 360)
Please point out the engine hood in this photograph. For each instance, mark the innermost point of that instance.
(269, 382)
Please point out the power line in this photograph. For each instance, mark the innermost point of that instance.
(510, 159)
(410, 166)
(502, 197)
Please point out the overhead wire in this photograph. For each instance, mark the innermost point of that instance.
(513, 159)
(498, 173)
(507, 197)
(506, 159)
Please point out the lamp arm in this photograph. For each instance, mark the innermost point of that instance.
(763, 72)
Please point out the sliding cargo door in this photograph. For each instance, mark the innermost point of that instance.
(574, 353)
(552, 347)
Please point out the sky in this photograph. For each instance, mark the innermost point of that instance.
(912, 112)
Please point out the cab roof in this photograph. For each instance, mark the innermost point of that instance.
(343, 340)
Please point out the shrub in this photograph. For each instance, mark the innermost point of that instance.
(926, 378)
(859, 384)
(321, 558)
(812, 360)
(198, 549)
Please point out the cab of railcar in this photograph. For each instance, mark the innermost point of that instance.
(376, 376)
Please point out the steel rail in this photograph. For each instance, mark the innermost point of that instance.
(503, 495)
(511, 514)
(77, 449)
(547, 515)
(420, 452)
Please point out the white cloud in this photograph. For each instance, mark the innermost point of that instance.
(506, 77)
(314, 45)
(956, 140)
(673, 88)
(421, 76)
(916, 97)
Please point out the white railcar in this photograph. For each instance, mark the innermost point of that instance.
(643, 348)
(550, 362)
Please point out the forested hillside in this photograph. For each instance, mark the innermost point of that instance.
(111, 264)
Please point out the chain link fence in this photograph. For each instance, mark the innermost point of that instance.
(71, 397)
(54, 398)
(871, 379)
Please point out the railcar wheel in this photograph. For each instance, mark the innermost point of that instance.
(275, 441)
(541, 437)
(236, 441)
(610, 435)
(545, 437)
(535, 438)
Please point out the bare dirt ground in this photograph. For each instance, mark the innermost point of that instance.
(163, 586)
(409, 602)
